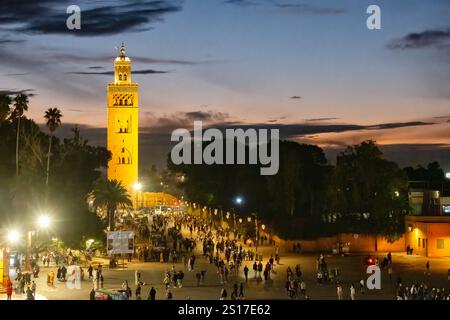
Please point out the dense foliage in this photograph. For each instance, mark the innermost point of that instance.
(74, 167)
(308, 197)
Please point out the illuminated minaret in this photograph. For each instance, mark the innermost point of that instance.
(123, 109)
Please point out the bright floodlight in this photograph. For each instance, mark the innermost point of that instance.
(238, 200)
(13, 236)
(447, 175)
(43, 222)
(263, 227)
(137, 186)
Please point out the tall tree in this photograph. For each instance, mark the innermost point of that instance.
(20, 106)
(53, 121)
(110, 194)
(5, 104)
(371, 192)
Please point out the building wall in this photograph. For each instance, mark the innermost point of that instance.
(439, 232)
(435, 230)
(416, 237)
(153, 199)
(356, 243)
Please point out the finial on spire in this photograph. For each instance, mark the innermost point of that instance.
(122, 50)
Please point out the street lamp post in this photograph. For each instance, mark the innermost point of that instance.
(137, 187)
(43, 222)
(256, 229)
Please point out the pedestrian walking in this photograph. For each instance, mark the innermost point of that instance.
(340, 293)
(352, 292)
(223, 294)
(427, 268)
(303, 287)
(29, 294)
(33, 288)
(246, 273)
(9, 290)
(361, 286)
(152, 294)
(169, 294)
(138, 290)
(241, 291)
(92, 294)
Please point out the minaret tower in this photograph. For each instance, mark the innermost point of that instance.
(123, 109)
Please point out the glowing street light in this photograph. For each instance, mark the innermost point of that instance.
(238, 200)
(263, 226)
(137, 186)
(447, 175)
(240, 220)
(13, 236)
(249, 219)
(43, 222)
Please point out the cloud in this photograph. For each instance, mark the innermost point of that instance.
(75, 58)
(242, 3)
(14, 92)
(394, 125)
(291, 8)
(206, 115)
(16, 74)
(425, 39)
(98, 18)
(304, 8)
(109, 73)
(5, 40)
(441, 117)
(320, 119)
(96, 67)
(295, 97)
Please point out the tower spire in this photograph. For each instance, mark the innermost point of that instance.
(122, 50)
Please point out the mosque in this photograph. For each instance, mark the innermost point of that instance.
(123, 135)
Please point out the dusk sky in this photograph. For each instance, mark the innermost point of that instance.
(310, 68)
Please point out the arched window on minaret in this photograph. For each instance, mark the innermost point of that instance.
(125, 77)
(121, 102)
(120, 77)
(123, 160)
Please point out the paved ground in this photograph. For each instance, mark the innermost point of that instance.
(410, 268)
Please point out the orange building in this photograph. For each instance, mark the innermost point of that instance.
(428, 236)
(155, 199)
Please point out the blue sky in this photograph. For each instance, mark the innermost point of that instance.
(241, 62)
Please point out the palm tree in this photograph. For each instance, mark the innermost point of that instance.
(5, 102)
(20, 106)
(53, 121)
(110, 194)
